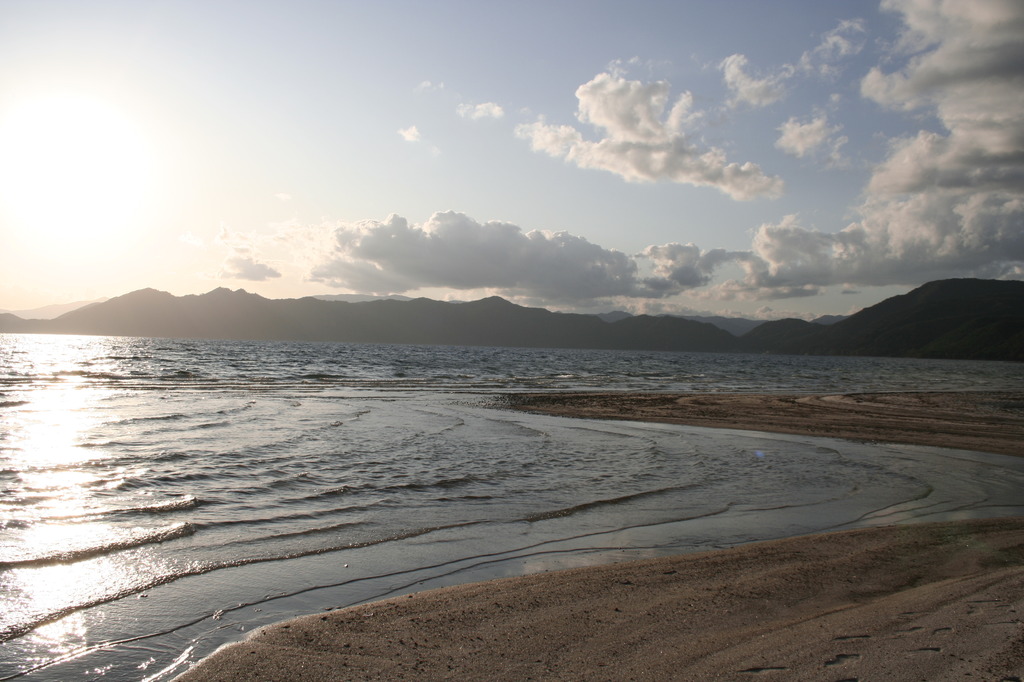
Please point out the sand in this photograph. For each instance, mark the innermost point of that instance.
(986, 421)
(918, 602)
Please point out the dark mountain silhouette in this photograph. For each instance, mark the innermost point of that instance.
(955, 318)
(829, 319)
(977, 319)
(226, 314)
(737, 326)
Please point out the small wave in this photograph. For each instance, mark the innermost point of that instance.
(13, 403)
(443, 484)
(108, 444)
(158, 418)
(85, 374)
(320, 376)
(178, 530)
(186, 502)
(180, 375)
(587, 506)
(466, 498)
(211, 425)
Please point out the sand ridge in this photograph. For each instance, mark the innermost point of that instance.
(985, 421)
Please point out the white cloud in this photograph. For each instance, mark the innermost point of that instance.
(845, 40)
(477, 111)
(642, 142)
(806, 139)
(242, 261)
(972, 77)
(410, 134)
(800, 139)
(943, 203)
(746, 89)
(283, 196)
(245, 267)
(683, 266)
(454, 251)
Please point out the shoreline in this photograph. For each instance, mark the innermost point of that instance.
(931, 601)
(985, 421)
(922, 601)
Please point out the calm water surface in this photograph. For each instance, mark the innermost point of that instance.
(159, 497)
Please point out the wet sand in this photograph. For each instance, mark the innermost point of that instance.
(917, 602)
(986, 421)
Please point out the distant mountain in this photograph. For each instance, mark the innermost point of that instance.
(955, 318)
(614, 316)
(359, 298)
(737, 326)
(226, 314)
(49, 312)
(965, 318)
(12, 324)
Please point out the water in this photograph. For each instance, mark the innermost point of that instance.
(159, 498)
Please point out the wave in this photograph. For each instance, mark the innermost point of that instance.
(86, 374)
(176, 416)
(178, 504)
(594, 504)
(18, 629)
(13, 403)
(178, 530)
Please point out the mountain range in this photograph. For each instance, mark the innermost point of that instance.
(959, 318)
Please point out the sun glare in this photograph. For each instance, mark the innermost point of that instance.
(74, 172)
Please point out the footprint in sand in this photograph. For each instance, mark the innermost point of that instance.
(842, 659)
(758, 671)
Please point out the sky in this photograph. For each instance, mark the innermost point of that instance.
(763, 159)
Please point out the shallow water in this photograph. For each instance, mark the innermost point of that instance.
(161, 497)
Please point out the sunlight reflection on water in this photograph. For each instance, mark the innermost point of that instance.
(52, 497)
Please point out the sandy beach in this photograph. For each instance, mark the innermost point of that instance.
(918, 602)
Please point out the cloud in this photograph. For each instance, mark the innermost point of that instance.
(283, 196)
(683, 266)
(928, 236)
(410, 134)
(746, 89)
(643, 143)
(242, 260)
(477, 111)
(454, 251)
(805, 139)
(845, 40)
(973, 78)
(943, 203)
(245, 267)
